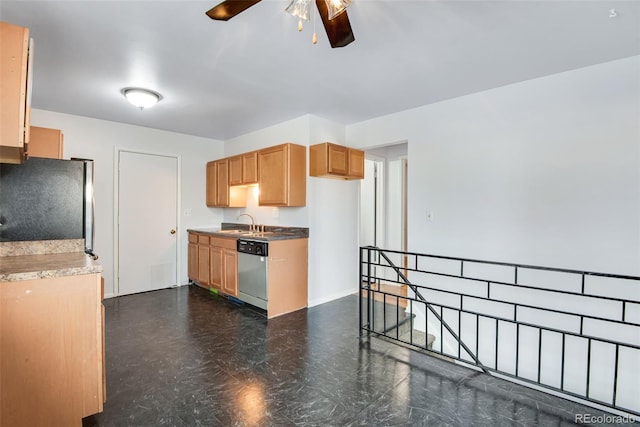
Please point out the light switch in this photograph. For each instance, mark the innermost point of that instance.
(429, 216)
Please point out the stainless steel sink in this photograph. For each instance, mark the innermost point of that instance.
(234, 231)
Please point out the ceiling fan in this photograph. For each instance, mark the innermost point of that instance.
(338, 28)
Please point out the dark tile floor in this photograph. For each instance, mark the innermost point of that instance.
(184, 357)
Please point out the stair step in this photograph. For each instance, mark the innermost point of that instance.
(418, 338)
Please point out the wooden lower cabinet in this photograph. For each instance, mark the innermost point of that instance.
(204, 252)
(224, 265)
(230, 263)
(213, 263)
(51, 351)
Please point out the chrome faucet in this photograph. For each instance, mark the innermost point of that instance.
(253, 222)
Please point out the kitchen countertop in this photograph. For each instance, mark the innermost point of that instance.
(241, 231)
(27, 260)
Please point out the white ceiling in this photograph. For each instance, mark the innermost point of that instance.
(224, 79)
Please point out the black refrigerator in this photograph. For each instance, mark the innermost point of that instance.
(47, 199)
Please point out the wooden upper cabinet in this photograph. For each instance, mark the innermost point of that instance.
(356, 164)
(250, 168)
(282, 175)
(211, 184)
(235, 170)
(222, 182)
(243, 169)
(46, 142)
(16, 61)
(219, 191)
(336, 161)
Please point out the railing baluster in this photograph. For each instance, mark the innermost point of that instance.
(564, 339)
(615, 376)
(517, 347)
(539, 352)
(384, 312)
(459, 326)
(588, 366)
(397, 318)
(497, 334)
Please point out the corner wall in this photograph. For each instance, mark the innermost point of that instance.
(331, 209)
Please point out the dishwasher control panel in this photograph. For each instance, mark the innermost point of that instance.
(253, 247)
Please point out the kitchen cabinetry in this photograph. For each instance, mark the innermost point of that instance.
(46, 142)
(219, 192)
(282, 175)
(336, 161)
(16, 59)
(204, 254)
(224, 265)
(192, 257)
(250, 168)
(287, 276)
(51, 357)
(243, 169)
(213, 263)
(235, 170)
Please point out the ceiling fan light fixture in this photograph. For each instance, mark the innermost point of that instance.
(301, 9)
(141, 98)
(336, 7)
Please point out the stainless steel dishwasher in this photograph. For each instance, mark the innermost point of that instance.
(252, 272)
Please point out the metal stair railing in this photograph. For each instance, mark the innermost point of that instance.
(587, 302)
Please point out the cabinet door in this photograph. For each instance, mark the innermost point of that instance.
(203, 265)
(250, 168)
(282, 175)
(211, 184)
(15, 104)
(222, 182)
(217, 265)
(272, 176)
(338, 159)
(356, 163)
(193, 262)
(230, 282)
(46, 142)
(235, 170)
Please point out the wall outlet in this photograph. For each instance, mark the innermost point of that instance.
(186, 212)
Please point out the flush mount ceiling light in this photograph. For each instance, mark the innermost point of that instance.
(141, 98)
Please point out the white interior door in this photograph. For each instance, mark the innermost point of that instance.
(147, 222)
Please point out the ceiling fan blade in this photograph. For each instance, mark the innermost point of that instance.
(338, 29)
(229, 8)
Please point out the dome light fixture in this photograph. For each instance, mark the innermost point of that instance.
(141, 98)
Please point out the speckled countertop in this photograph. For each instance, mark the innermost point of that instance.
(38, 260)
(241, 231)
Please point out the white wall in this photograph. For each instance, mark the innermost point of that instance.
(97, 139)
(544, 172)
(330, 211)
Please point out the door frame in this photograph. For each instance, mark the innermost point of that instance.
(116, 211)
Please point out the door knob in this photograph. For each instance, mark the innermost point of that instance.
(173, 231)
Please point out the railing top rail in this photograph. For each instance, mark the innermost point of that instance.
(506, 264)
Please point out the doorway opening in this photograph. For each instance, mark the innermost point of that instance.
(383, 206)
